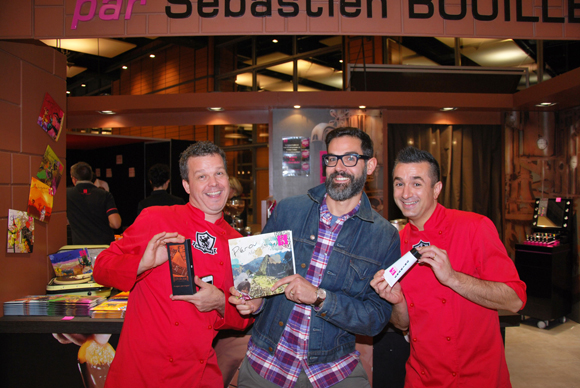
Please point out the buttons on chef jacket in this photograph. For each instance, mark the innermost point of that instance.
(453, 374)
(223, 232)
(209, 327)
(221, 263)
(406, 241)
(412, 305)
(443, 301)
(201, 361)
(170, 359)
(176, 323)
(422, 372)
(440, 232)
(448, 338)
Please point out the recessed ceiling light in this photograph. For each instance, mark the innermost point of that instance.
(546, 104)
(448, 109)
(68, 92)
(151, 55)
(216, 109)
(274, 40)
(296, 106)
(106, 112)
(83, 85)
(362, 107)
(340, 61)
(235, 136)
(124, 67)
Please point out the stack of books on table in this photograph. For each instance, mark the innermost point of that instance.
(113, 308)
(52, 305)
(29, 305)
(75, 305)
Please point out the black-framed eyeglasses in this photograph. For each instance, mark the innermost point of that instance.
(349, 160)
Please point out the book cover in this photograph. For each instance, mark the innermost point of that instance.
(260, 261)
(20, 232)
(50, 170)
(51, 117)
(75, 262)
(181, 268)
(39, 201)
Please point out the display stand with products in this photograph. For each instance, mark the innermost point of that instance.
(544, 262)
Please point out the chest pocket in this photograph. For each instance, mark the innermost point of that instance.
(357, 275)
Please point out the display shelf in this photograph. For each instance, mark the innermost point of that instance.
(44, 324)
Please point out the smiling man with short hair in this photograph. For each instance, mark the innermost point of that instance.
(167, 340)
(306, 336)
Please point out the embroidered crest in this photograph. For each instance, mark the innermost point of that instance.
(421, 243)
(205, 242)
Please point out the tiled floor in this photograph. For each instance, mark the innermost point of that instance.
(546, 358)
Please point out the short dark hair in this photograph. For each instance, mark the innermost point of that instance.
(158, 174)
(412, 154)
(81, 171)
(201, 148)
(244, 285)
(366, 141)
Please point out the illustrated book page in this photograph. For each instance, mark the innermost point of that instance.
(260, 261)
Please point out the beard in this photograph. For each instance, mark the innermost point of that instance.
(344, 191)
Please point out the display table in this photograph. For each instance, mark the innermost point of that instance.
(42, 324)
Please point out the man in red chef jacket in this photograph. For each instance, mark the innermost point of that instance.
(167, 340)
(449, 301)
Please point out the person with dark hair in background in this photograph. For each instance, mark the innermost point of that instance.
(166, 339)
(306, 336)
(449, 301)
(91, 212)
(159, 178)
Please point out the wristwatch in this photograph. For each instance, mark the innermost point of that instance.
(320, 297)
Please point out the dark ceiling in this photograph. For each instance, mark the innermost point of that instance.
(559, 57)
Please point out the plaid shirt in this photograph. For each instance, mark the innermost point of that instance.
(285, 365)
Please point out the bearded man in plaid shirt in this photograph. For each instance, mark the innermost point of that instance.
(306, 336)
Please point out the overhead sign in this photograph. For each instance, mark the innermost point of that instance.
(414, 9)
(522, 19)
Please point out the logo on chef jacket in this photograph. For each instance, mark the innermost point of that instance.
(205, 243)
(421, 243)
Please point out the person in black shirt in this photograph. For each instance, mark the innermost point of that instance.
(159, 178)
(91, 212)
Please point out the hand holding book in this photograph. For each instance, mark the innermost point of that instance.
(156, 252)
(298, 289)
(243, 305)
(208, 298)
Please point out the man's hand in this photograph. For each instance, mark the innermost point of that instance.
(80, 339)
(208, 298)
(156, 252)
(245, 307)
(298, 289)
(490, 294)
(439, 262)
(393, 295)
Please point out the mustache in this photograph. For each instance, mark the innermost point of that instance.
(341, 173)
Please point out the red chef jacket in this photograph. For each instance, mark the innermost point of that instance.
(455, 342)
(167, 343)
